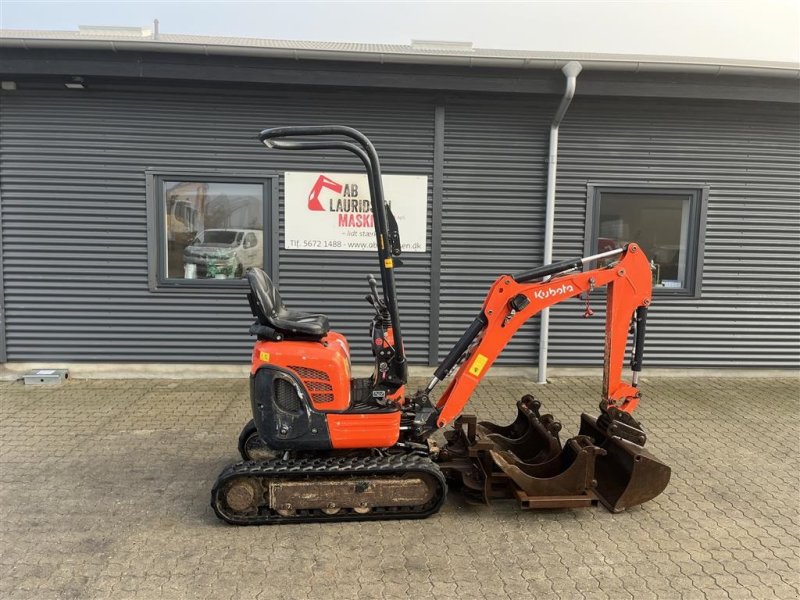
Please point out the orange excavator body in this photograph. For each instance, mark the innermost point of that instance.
(324, 445)
(324, 369)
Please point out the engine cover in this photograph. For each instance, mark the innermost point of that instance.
(322, 366)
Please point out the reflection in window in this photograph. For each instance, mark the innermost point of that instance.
(214, 230)
(659, 223)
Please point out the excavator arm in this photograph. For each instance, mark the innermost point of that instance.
(512, 300)
(606, 461)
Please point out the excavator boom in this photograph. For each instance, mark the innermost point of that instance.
(512, 300)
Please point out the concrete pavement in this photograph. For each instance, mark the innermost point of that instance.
(104, 490)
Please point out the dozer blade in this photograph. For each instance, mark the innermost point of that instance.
(532, 438)
(567, 481)
(626, 474)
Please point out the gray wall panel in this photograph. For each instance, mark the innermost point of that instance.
(74, 217)
(493, 207)
(748, 154)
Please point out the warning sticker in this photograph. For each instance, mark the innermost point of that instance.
(263, 356)
(477, 365)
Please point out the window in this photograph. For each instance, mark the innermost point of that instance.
(667, 223)
(207, 230)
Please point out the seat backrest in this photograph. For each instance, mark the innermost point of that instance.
(265, 300)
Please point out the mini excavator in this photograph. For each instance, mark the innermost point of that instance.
(323, 446)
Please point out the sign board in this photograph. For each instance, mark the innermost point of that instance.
(331, 211)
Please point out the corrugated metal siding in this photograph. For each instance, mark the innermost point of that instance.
(495, 181)
(74, 217)
(749, 156)
(493, 208)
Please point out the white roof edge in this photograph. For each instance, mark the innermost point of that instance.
(209, 45)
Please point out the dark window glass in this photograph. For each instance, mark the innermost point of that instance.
(665, 223)
(213, 230)
(659, 224)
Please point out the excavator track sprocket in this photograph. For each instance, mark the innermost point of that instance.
(303, 490)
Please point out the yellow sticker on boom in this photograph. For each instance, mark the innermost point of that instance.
(388, 263)
(477, 365)
(264, 356)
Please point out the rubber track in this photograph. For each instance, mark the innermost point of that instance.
(328, 467)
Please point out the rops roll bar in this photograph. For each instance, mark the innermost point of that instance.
(365, 151)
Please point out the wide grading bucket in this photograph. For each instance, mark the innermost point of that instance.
(525, 460)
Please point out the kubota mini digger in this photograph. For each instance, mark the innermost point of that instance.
(323, 446)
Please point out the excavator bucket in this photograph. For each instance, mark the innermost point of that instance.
(532, 437)
(626, 473)
(525, 406)
(523, 460)
(605, 462)
(564, 481)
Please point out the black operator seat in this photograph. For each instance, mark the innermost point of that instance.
(268, 308)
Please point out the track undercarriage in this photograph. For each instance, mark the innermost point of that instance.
(346, 488)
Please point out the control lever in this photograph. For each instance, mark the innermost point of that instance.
(373, 285)
(375, 300)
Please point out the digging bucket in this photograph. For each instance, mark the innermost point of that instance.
(531, 438)
(626, 474)
(567, 480)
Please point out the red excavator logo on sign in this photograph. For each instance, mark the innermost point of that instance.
(343, 200)
(322, 183)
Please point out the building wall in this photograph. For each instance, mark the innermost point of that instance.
(74, 217)
(748, 154)
(75, 224)
(495, 177)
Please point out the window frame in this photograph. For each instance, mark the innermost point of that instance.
(696, 236)
(156, 223)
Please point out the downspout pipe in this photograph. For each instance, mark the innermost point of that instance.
(571, 71)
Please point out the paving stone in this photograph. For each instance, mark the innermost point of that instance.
(104, 489)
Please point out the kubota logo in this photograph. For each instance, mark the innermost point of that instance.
(564, 289)
(352, 210)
